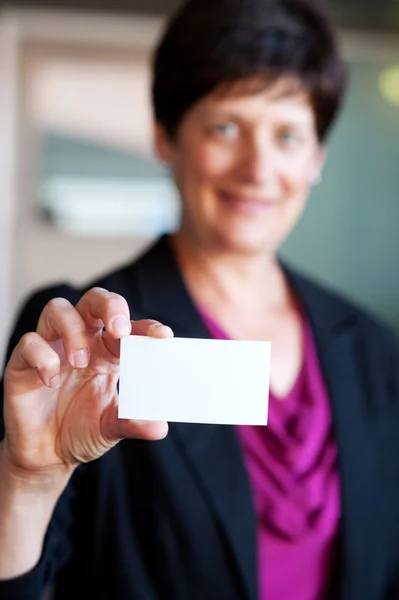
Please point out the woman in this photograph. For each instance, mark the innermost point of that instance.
(244, 95)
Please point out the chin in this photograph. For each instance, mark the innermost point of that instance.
(250, 243)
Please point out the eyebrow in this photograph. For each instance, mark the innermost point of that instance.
(229, 114)
(217, 111)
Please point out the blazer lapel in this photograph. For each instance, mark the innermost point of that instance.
(335, 330)
(216, 460)
(161, 292)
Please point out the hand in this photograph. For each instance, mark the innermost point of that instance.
(60, 385)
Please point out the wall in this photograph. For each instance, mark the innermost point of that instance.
(349, 235)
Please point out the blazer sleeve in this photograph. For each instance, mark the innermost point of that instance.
(57, 548)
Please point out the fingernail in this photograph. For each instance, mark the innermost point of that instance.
(121, 325)
(166, 330)
(55, 381)
(81, 358)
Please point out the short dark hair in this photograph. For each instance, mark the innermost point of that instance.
(212, 42)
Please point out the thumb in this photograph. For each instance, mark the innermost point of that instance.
(114, 429)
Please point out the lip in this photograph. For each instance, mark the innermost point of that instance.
(247, 204)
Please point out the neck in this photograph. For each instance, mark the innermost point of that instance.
(217, 275)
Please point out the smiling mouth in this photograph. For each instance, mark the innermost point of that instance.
(246, 203)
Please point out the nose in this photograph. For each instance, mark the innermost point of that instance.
(257, 165)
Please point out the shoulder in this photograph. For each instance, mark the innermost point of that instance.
(28, 312)
(114, 280)
(337, 307)
(120, 280)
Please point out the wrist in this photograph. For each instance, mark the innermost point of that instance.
(27, 501)
(47, 483)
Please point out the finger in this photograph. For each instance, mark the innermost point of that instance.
(33, 352)
(101, 306)
(151, 328)
(114, 429)
(60, 320)
(142, 430)
(147, 327)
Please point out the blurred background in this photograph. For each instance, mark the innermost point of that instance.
(80, 189)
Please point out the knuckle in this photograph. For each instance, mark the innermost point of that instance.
(116, 303)
(51, 363)
(75, 327)
(57, 304)
(29, 341)
(97, 291)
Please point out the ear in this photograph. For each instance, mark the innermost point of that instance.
(162, 143)
(318, 165)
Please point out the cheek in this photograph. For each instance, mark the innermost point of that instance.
(296, 176)
(208, 164)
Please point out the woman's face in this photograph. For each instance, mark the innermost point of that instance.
(244, 164)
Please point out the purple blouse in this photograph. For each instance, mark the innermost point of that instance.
(292, 468)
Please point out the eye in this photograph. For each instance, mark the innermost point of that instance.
(226, 130)
(289, 137)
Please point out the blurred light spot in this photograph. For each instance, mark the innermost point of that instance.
(389, 84)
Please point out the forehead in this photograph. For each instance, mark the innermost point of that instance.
(256, 97)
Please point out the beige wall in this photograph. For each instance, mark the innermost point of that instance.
(96, 94)
(48, 256)
(8, 169)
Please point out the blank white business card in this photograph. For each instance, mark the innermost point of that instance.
(194, 380)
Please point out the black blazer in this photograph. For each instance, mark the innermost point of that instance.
(173, 520)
